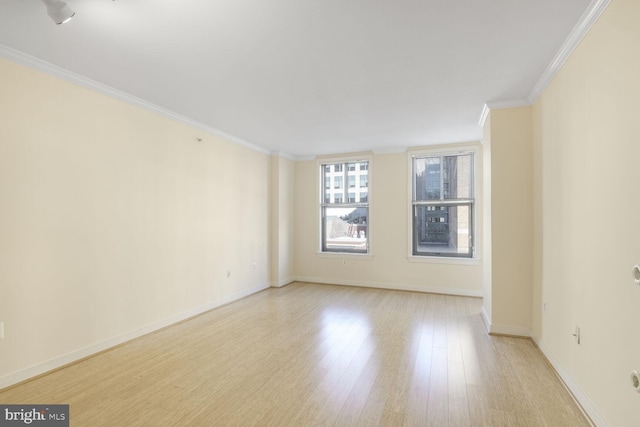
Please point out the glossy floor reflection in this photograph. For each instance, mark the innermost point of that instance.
(311, 355)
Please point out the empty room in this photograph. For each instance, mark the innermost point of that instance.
(305, 213)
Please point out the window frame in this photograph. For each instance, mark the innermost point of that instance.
(322, 208)
(471, 202)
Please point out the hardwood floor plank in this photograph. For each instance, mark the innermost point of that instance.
(315, 355)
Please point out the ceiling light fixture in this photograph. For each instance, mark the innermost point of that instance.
(59, 11)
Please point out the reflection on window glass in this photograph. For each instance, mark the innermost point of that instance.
(427, 178)
(443, 205)
(443, 229)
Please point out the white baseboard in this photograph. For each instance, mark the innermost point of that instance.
(485, 319)
(515, 331)
(41, 368)
(283, 282)
(393, 286)
(588, 407)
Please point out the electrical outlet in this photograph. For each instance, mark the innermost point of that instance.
(228, 273)
(635, 381)
(344, 262)
(544, 306)
(254, 265)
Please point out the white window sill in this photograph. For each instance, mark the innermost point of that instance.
(342, 255)
(444, 260)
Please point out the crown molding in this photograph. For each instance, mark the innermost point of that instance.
(284, 155)
(62, 73)
(499, 105)
(586, 21)
(576, 35)
(508, 103)
(483, 115)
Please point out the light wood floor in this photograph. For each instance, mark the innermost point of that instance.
(316, 355)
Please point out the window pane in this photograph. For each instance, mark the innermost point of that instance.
(352, 181)
(364, 197)
(364, 181)
(442, 230)
(337, 183)
(345, 229)
(427, 178)
(457, 177)
(329, 176)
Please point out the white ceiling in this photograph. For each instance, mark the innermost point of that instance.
(308, 77)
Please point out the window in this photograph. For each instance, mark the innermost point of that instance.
(345, 210)
(364, 181)
(442, 205)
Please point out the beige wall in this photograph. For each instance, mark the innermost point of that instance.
(509, 148)
(282, 221)
(114, 220)
(587, 125)
(388, 266)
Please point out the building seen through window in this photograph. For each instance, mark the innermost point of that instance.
(345, 208)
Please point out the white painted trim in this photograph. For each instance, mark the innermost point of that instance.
(589, 408)
(392, 286)
(576, 35)
(508, 103)
(483, 115)
(443, 260)
(485, 319)
(305, 158)
(284, 155)
(515, 331)
(283, 282)
(53, 70)
(572, 41)
(41, 368)
(499, 105)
